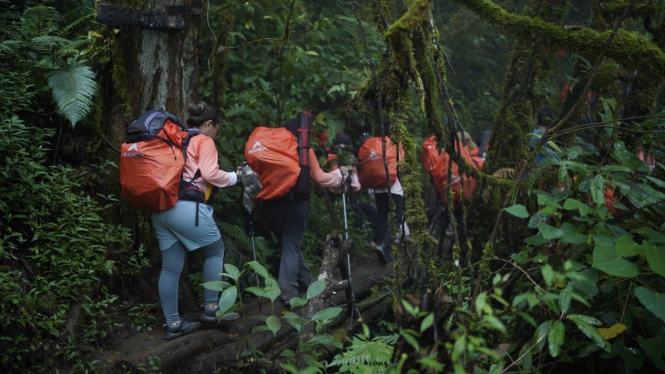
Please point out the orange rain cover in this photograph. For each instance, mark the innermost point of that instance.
(150, 170)
(273, 154)
(372, 173)
(430, 155)
(440, 174)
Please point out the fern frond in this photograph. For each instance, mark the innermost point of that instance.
(38, 20)
(70, 27)
(373, 355)
(236, 234)
(73, 89)
(48, 43)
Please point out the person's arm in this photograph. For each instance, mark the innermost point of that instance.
(355, 183)
(208, 164)
(323, 179)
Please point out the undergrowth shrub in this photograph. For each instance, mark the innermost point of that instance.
(53, 256)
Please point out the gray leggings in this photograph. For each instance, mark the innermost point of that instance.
(173, 259)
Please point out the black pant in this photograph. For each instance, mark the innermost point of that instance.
(288, 221)
(382, 210)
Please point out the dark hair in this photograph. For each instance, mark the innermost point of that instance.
(199, 113)
(292, 124)
(363, 138)
(546, 117)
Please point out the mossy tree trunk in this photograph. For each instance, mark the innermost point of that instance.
(146, 69)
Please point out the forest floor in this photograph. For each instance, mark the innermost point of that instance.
(214, 347)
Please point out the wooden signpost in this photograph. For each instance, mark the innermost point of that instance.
(171, 19)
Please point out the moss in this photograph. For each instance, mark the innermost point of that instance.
(628, 48)
(119, 74)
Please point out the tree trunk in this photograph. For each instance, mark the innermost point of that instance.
(146, 69)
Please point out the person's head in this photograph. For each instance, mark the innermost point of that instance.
(363, 138)
(546, 118)
(342, 141)
(292, 124)
(203, 117)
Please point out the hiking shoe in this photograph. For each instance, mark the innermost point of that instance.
(385, 255)
(181, 328)
(210, 315)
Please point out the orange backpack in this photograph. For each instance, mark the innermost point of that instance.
(372, 172)
(273, 154)
(440, 174)
(152, 161)
(430, 155)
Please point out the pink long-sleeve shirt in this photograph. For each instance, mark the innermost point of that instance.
(320, 177)
(202, 155)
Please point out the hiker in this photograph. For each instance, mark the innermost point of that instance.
(286, 204)
(341, 152)
(373, 176)
(178, 232)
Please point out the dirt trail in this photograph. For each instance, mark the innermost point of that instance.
(215, 346)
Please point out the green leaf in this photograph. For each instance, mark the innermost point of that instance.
(565, 297)
(590, 331)
(480, 302)
(259, 269)
(547, 200)
(458, 347)
(518, 210)
(555, 338)
(597, 190)
(228, 299)
(73, 88)
(656, 258)
(586, 319)
(427, 322)
(627, 158)
(527, 358)
(273, 324)
(626, 247)
(272, 290)
(232, 271)
(549, 232)
(294, 320)
(548, 273)
(296, 302)
(316, 288)
(606, 259)
(571, 235)
(495, 323)
(586, 281)
(540, 336)
(572, 204)
(328, 313)
(654, 302)
(217, 285)
(653, 235)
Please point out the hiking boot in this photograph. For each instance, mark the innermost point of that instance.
(209, 314)
(181, 328)
(384, 254)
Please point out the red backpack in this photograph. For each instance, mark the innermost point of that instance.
(273, 154)
(430, 155)
(440, 174)
(372, 172)
(152, 161)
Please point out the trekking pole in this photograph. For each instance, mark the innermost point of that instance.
(348, 254)
(250, 231)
